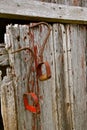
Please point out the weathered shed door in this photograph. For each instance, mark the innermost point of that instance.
(62, 98)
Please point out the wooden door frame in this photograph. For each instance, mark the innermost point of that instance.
(42, 11)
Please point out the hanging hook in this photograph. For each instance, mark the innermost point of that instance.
(36, 107)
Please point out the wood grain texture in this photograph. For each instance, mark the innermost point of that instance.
(40, 11)
(8, 106)
(64, 95)
(78, 63)
(48, 90)
(17, 61)
(4, 59)
(59, 75)
(48, 117)
(63, 99)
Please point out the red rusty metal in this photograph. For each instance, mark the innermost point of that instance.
(42, 76)
(31, 108)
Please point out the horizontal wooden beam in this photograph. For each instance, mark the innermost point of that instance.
(40, 11)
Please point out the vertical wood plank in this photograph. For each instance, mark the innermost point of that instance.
(8, 106)
(24, 42)
(48, 90)
(48, 107)
(59, 74)
(48, 114)
(70, 77)
(17, 40)
(78, 44)
(67, 109)
(62, 78)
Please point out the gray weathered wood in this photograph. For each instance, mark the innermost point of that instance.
(48, 117)
(4, 59)
(62, 78)
(39, 11)
(63, 100)
(70, 77)
(59, 75)
(8, 106)
(78, 74)
(67, 101)
(73, 41)
(20, 68)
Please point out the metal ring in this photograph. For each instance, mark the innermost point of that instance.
(36, 107)
(42, 76)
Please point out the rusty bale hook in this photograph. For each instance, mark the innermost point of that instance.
(34, 109)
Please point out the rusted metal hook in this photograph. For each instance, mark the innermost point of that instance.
(31, 108)
(47, 74)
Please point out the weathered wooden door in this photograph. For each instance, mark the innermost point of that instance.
(62, 98)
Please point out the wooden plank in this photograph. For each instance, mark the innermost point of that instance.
(40, 11)
(16, 34)
(56, 86)
(48, 88)
(70, 78)
(8, 106)
(47, 92)
(25, 70)
(62, 78)
(59, 75)
(78, 47)
(67, 102)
